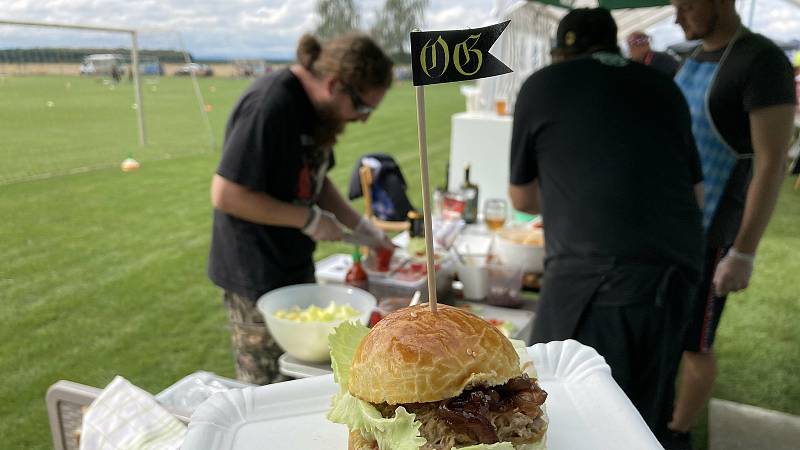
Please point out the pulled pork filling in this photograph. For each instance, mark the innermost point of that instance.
(482, 415)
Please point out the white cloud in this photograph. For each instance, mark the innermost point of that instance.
(270, 28)
(462, 16)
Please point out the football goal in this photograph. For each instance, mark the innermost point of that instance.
(80, 97)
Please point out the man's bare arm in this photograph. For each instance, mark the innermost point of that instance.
(771, 130)
(257, 207)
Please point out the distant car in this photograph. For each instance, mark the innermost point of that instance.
(199, 70)
(102, 64)
(151, 68)
(402, 73)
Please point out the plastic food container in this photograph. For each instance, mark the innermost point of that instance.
(505, 283)
(474, 276)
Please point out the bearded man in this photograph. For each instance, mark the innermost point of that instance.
(271, 194)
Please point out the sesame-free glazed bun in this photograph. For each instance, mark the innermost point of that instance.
(416, 356)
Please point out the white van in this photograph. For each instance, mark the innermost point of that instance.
(103, 64)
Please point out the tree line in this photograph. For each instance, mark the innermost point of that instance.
(390, 30)
(76, 55)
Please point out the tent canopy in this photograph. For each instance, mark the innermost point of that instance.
(609, 4)
(525, 45)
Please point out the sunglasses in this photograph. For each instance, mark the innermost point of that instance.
(359, 104)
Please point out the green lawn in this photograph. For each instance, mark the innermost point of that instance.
(103, 273)
(64, 123)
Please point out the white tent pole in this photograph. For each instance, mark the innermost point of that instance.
(752, 13)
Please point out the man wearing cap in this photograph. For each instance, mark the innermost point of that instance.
(619, 202)
(741, 94)
(639, 50)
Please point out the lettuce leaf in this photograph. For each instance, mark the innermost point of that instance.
(401, 432)
(343, 342)
(525, 360)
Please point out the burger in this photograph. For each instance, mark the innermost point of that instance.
(423, 380)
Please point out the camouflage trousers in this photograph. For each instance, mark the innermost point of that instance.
(255, 351)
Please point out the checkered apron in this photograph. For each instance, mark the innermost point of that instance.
(717, 158)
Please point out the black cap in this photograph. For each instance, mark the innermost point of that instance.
(585, 28)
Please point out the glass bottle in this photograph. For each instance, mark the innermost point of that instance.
(469, 191)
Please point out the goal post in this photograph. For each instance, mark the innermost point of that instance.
(134, 60)
(83, 97)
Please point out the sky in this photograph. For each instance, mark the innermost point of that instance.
(270, 28)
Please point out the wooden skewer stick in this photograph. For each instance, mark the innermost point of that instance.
(426, 206)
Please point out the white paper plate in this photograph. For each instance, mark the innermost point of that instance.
(586, 407)
(522, 319)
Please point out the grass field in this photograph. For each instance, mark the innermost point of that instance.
(103, 273)
(67, 123)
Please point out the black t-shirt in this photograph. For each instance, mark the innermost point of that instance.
(755, 74)
(611, 144)
(268, 148)
(662, 62)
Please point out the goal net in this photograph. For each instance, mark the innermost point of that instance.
(70, 101)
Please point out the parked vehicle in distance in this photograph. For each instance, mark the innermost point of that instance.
(246, 68)
(103, 64)
(150, 66)
(199, 70)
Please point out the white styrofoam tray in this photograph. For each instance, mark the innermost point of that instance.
(587, 410)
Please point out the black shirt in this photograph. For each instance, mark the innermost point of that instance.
(663, 62)
(611, 145)
(755, 74)
(268, 148)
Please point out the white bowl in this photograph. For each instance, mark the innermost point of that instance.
(308, 341)
(522, 248)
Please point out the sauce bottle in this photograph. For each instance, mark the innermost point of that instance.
(357, 276)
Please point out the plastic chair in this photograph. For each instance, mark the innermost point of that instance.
(735, 426)
(66, 403)
(365, 176)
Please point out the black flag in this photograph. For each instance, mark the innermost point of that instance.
(455, 55)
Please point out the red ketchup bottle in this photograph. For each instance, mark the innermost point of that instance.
(357, 276)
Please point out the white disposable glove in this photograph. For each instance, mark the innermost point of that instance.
(365, 227)
(733, 272)
(323, 226)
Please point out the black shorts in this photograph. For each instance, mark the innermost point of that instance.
(706, 309)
